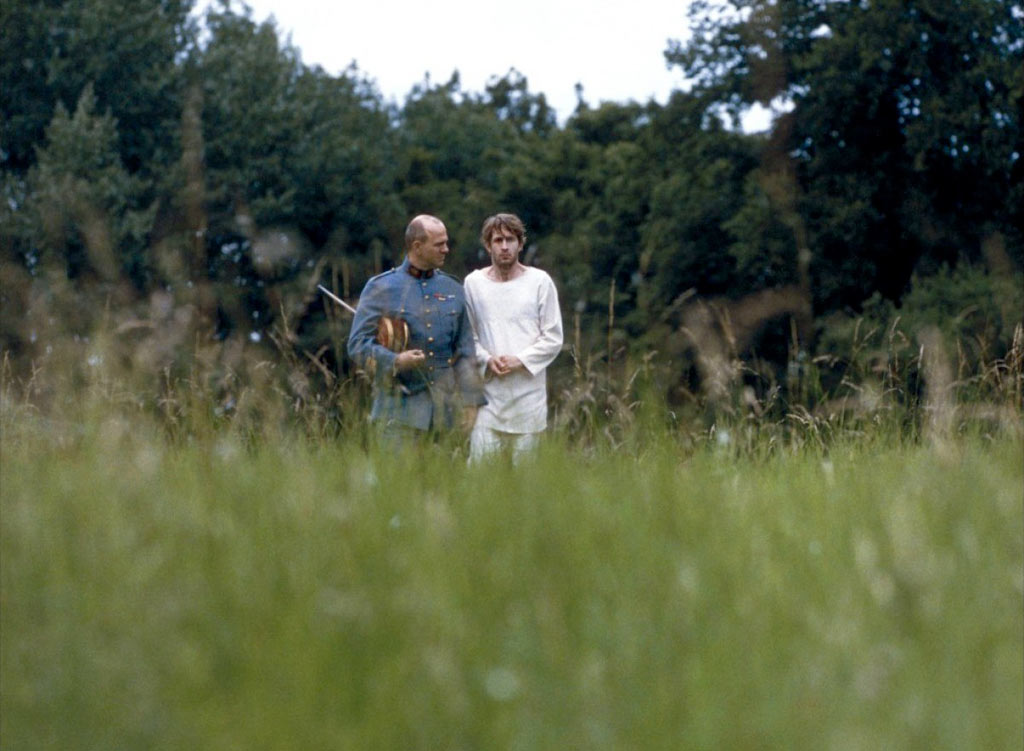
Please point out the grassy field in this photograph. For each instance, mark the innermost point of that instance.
(300, 594)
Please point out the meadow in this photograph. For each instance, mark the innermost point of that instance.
(168, 585)
(781, 500)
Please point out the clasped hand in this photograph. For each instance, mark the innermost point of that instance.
(502, 365)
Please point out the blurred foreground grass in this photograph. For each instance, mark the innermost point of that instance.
(318, 595)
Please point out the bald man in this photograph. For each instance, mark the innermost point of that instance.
(431, 383)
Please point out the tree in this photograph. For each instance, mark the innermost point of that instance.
(510, 98)
(84, 205)
(299, 169)
(344, 163)
(616, 182)
(248, 82)
(453, 149)
(127, 51)
(902, 145)
(698, 191)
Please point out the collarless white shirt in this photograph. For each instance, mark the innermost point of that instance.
(517, 317)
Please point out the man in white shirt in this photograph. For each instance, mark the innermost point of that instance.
(517, 326)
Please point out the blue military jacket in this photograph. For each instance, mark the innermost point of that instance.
(434, 307)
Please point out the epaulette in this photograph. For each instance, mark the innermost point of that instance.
(450, 276)
(381, 275)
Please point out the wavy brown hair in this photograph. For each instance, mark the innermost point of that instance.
(498, 222)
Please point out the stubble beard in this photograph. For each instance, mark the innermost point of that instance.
(503, 268)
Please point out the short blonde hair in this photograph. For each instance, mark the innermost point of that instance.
(417, 229)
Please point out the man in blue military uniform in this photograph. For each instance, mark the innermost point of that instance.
(432, 384)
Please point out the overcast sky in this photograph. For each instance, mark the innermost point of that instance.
(613, 48)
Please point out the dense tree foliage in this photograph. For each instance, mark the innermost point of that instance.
(128, 52)
(153, 151)
(902, 145)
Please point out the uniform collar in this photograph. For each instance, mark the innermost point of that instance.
(415, 272)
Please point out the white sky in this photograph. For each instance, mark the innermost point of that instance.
(614, 48)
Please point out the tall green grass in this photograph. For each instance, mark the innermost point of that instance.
(207, 590)
(211, 551)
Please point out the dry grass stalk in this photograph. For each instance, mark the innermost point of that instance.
(940, 409)
(719, 330)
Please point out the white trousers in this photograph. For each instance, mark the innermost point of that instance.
(486, 441)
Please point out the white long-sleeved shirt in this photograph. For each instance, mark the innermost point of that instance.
(519, 317)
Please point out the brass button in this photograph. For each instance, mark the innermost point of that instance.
(431, 354)
(430, 338)
(428, 325)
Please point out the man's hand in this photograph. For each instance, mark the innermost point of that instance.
(494, 366)
(502, 365)
(468, 419)
(409, 359)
